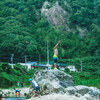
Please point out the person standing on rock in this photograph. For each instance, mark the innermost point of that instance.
(55, 56)
(35, 86)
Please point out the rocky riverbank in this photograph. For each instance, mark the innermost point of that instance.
(63, 97)
(11, 92)
(57, 85)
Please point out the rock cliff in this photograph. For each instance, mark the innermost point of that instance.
(59, 18)
(56, 15)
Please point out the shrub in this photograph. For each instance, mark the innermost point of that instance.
(66, 70)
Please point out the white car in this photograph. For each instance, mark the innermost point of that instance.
(72, 68)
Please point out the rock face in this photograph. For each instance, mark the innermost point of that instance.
(53, 81)
(57, 83)
(56, 15)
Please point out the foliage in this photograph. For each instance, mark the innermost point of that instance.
(10, 76)
(24, 31)
(86, 78)
(66, 70)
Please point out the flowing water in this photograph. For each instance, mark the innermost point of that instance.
(14, 98)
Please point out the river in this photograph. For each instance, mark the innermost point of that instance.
(14, 98)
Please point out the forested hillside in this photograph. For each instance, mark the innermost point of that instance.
(25, 31)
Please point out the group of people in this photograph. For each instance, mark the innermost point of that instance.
(55, 58)
(18, 84)
(33, 82)
(17, 92)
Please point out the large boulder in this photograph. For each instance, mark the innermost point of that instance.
(59, 83)
(87, 92)
(52, 81)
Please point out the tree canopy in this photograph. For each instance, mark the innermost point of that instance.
(24, 31)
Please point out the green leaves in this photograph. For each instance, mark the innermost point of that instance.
(24, 31)
(86, 78)
(9, 76)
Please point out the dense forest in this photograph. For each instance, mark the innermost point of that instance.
(25, 31)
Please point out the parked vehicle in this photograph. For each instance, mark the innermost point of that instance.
(72, 68)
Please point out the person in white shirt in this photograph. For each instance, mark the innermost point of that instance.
(35, 86)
